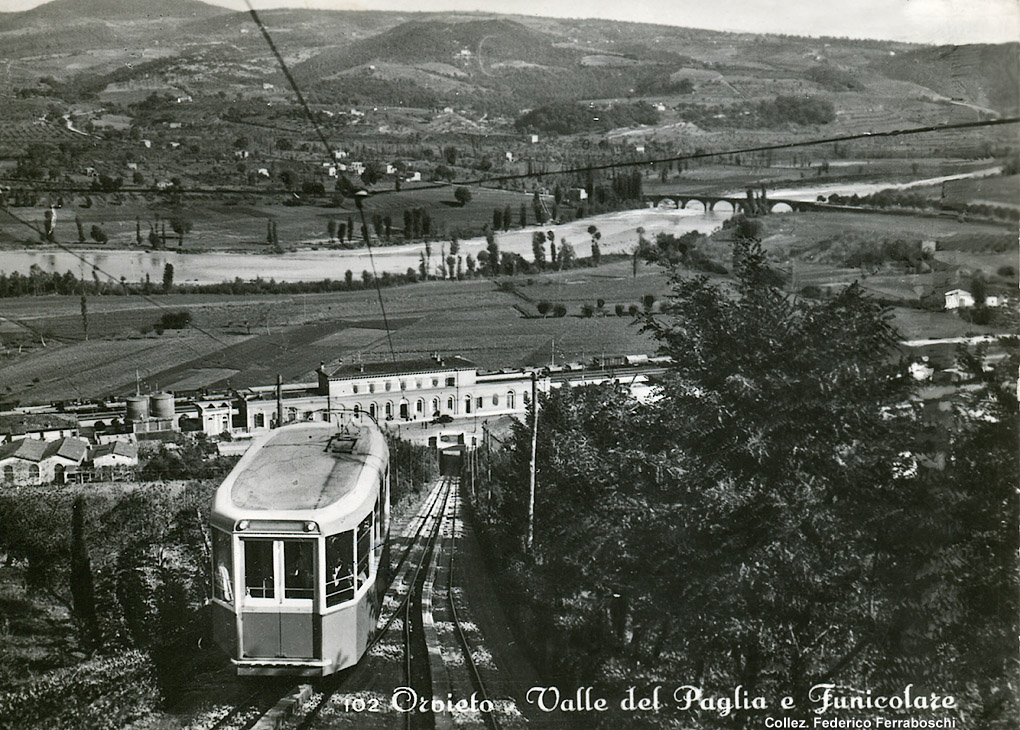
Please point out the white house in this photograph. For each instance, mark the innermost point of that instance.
(175, 125)
(215, 415)
(267, 86)
(115, 455)
(959, 299)
(357, 167)
(390, 169)
(509, 156)
(534, 139)
(413, 177)
(264, 172)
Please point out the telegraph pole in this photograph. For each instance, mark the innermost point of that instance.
(534, 449)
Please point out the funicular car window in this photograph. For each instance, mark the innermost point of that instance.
(222, 562)
(258, 569)
(364, 548)
(339, 568)
(299, 570)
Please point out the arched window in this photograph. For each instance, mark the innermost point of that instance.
(450, 405)
(33, 471)
(372, 410)
(355, 387)
(419, 407)
(495, 399)
(511, 399)
(58, 472)
(389, 409)
(8, 473)
(467, 404)
(435, 406)
(357, 408)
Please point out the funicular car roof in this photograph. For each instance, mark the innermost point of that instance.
(303, 467)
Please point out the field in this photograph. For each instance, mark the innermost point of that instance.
(249, 341)
(239, 223)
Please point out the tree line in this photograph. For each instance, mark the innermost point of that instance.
(782, 515)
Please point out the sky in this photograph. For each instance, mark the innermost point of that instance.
(919, 21)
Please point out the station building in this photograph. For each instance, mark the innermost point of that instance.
(408, 391)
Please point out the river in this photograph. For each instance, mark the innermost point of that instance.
(619, 234)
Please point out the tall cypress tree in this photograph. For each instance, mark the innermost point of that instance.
(82, 588)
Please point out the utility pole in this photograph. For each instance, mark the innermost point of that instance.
(534, 449)
(279, 400)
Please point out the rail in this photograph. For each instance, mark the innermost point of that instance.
(476, 678)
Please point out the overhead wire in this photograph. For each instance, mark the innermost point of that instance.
(325, 143)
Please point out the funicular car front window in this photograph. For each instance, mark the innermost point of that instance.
(339, 568)
(299, 571)
(258, 569)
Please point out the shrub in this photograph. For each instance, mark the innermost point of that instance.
(174, 320)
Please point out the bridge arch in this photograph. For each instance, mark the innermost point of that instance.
(696, 204)
(731, 206)
(781, 206)
(666, 204)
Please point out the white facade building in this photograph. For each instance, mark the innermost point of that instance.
(410, 392)
(959, 299)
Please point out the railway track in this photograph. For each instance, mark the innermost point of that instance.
(479, 695)
(343, 701)
(266, 707)
(427, 667)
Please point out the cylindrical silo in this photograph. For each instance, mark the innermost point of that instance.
(161, 405)
(137, 408)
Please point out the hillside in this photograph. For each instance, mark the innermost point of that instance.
(473, 44)
(113, 11)
(981, 74)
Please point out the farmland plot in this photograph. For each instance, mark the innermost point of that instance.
(98, 367)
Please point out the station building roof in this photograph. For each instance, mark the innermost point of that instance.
(402, 367)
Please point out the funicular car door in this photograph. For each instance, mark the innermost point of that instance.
(277, 606)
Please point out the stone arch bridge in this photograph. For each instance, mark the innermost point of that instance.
(736, 204)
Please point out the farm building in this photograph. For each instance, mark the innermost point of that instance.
(30, 461)
(959, 299)
(114, 455)
(43, 426)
